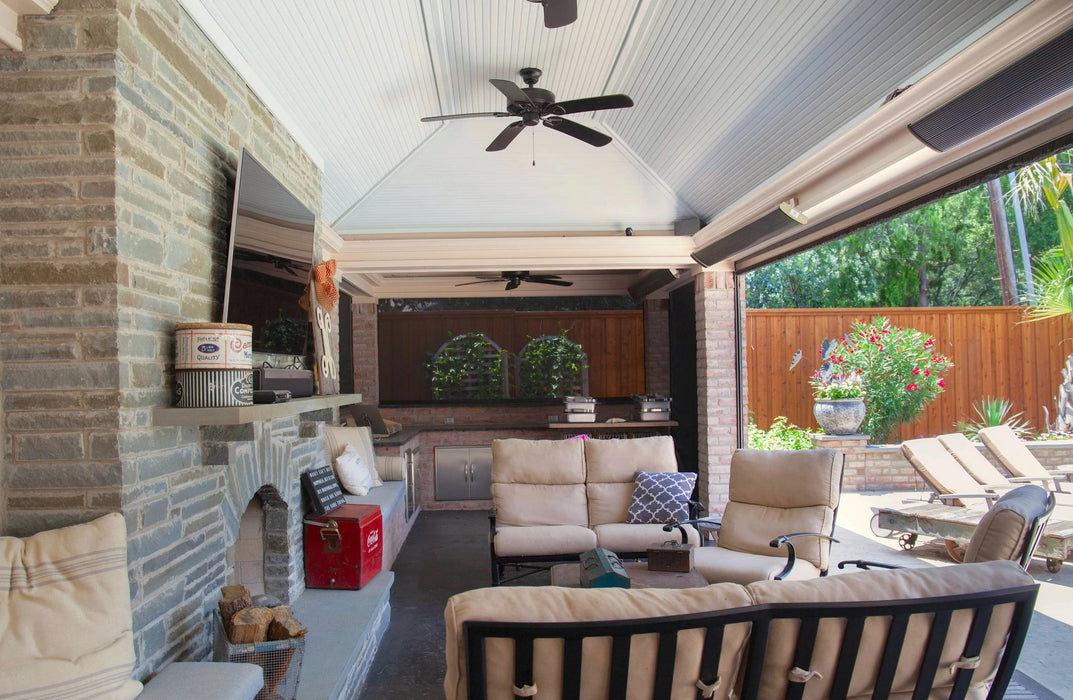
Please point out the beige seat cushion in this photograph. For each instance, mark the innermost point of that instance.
(611, 466)
(1012, 452)
(541, 540)
(940, 470)
(620, 537)
(879, 585)
(971, 459)
(718, 564)
(540, 504)
(65, 621)
(555, 604)
(1003, 531)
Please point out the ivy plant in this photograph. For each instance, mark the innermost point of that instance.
(468, 366)
(551, 366)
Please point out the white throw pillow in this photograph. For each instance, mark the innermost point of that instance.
(354, 472)
(337, 437)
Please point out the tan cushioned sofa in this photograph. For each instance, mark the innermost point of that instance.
(753, 641)
(555, 499)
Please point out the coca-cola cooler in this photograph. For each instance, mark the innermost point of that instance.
(344, 547)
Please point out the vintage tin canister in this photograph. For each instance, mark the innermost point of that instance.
(213, 346)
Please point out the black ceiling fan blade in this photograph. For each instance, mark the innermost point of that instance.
(559, 13)
(510, 90)
(537, 279)
(578, 131)
(591, 104)
(506, 136)
(445, 117)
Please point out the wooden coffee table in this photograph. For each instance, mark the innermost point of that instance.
(640, 577)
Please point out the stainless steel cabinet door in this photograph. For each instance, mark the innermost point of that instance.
(463, 473)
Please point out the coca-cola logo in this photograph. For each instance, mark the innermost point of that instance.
(208, 348)
(372, 540)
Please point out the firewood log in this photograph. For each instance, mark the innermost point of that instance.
(233, 599)
(284, 624)
(250, 625)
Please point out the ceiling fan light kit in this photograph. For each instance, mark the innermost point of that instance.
(534, 106)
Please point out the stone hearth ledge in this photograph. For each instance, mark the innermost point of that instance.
(237, 415)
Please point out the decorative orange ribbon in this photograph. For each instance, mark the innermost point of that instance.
(327, 294)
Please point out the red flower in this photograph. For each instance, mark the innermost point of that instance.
(916, 370)
(927, 373)
(941, 383)
(911, 387)
(929, 343)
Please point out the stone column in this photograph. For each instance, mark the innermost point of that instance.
(720, 332)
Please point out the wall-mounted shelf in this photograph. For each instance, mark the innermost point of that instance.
(237, 415)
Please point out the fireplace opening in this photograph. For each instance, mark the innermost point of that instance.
(261, 554)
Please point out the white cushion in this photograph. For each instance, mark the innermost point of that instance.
(336, 438)
(65, 624)
(355, 474)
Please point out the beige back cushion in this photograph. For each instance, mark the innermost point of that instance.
(1003, 531)
(539, 482)
(779, 492)
(973, 461)
(65, 622)
(611, 467)
(336, 438)
(557, 604)
(938, 467)
(885, 585)
(1012, 452)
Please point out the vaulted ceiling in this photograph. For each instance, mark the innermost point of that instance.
(739, 105)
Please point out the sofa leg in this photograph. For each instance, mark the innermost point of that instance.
(497, 573)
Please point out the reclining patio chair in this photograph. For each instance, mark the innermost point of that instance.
(947, 478)
(990, 478)
(1019, 460)
(1011, 530)
(783, 500)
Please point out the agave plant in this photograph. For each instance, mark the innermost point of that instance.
(992, 412)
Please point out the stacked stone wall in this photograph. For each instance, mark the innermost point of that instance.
(121, 130)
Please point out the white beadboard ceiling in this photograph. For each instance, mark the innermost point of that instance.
(729, 95)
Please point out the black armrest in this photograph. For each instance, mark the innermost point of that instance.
(695, 508)
(791, 555)
(865, 564)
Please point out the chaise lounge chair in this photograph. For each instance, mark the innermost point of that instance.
(1016, 457)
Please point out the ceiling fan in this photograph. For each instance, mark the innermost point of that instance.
(558, 13)
(515, 279)
(535, 105)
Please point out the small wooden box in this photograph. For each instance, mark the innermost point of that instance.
(601, 568)
(670, 556)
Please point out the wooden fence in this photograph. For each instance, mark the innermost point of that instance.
(613, 341)
(995, 354)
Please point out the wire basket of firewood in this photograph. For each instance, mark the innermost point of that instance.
(267, 636)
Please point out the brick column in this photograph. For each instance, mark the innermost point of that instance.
(366, 357)
(657, 347)
(719, 389)
(854, 477)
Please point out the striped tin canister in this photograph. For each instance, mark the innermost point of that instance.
(213, 365)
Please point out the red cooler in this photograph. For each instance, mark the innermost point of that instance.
(344, 547)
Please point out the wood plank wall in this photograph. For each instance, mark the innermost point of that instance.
(613, 340)
(995, 354)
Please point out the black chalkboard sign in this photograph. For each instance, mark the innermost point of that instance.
(323, 490)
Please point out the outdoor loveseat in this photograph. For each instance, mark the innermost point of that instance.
(554, 499)
(954, 631)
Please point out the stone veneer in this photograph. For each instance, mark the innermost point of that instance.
(120, 129)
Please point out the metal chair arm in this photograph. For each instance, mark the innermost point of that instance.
(865, 564)
(791, 555)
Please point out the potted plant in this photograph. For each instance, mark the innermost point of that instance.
(838, 402)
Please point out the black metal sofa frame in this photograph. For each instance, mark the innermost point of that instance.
(939, 610)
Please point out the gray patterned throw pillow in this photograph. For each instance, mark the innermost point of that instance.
(660, 497)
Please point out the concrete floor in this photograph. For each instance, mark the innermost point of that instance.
(447, 552)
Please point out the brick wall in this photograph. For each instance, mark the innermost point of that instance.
(366, 353)
(717, 387)
(120, 128)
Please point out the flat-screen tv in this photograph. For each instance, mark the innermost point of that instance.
(268, 262)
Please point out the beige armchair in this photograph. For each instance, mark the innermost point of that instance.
(780, 518)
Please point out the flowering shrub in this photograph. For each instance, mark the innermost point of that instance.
(837, 386)
(900, 368)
